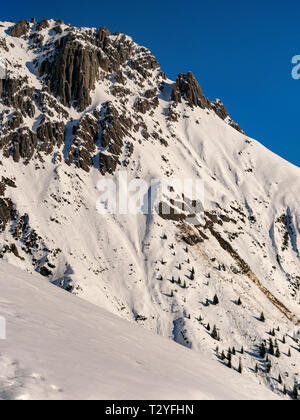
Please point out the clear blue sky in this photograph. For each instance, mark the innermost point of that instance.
(240, 52)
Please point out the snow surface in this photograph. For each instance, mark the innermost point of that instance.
(61, 347)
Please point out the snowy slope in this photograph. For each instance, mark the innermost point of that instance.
(61, 347)
(121, 262)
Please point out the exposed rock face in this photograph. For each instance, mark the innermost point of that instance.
(187, 88)
(43, 24)
(21, 28)
(3, 44)
(145, 65)
(86, 135)
(6, 208)
(222, 112)
(50, 106)
(102, 37)
(143, 105)
(77, 67)
(220, 109)
(150, 93)
(20, 144)
(14, 122)
(236, 126)
(115, 128)
(50, 134)
(74, 73)
(58, 29)
(17, 94)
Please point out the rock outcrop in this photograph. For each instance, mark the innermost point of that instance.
(220, 109)
(74, 74)
(86, 135)
(21, 28)
(115, 128)
(187, 88)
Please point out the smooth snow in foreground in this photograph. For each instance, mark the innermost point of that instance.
(61, 347)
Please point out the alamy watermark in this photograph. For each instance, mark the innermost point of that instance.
(2, 328)
(296, 67)
(2, 68)
(176, 199)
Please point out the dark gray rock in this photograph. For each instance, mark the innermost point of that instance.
(187, 88)
(21, 28)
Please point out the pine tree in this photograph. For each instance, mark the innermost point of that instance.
(240, 368)
(184, 284)
(289, 353)
(223, 355)
(284, 390)
(277, 354)
(208, 327)
(269, 366)
(295, 392)
(262, 317)
(214, 333)
(283, 340)
(229, 364)
(239, 302)
(271, 347)
(179, 280)
(256, 368)
(216, 300)
(242, 350)
(233, 351)
(279, 379)
(262, 351)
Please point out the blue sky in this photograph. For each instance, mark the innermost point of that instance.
(240, 52)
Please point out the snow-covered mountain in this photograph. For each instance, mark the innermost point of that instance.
(80, 105)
